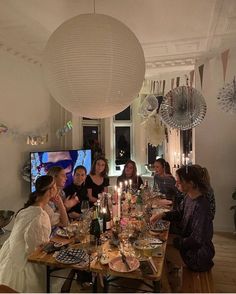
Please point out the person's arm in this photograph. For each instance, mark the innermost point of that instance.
(74, 215)
(64, 221)
(106, 184)
(90, 195)
(71, 201)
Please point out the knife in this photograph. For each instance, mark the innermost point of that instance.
(123, 257)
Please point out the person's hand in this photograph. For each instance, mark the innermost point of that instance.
(164, 202)
(56, 199)
(71, 201)
(156, 217)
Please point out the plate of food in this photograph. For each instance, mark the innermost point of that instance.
(118, 265)
(72, 256)
(62, 233)
(146, 244)
(160, 226)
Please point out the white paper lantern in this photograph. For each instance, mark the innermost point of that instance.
(94, 65)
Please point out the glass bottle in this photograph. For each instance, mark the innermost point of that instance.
(106, 215)
(95, 231)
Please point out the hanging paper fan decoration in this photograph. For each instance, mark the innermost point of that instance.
(183, 108)
(155, 131)
(227, 97)
(148, 106)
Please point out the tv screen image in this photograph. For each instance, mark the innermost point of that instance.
(42, 161)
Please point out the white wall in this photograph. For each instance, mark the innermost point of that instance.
(216, 139)
(25, 108)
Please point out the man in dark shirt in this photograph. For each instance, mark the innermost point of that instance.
(77, 188)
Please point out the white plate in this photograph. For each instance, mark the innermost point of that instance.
(146, 244)
(117, 265)
(62, 233)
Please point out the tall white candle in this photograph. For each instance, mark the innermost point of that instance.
(118, 202)
(174, 158)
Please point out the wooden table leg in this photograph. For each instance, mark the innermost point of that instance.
(48, 279)
(156, 286)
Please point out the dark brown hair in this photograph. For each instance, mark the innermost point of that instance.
(191, 173)
(93, 168)
(42, 185)
(80, 167)
(165, 165)
(54, 171)
(134, 175)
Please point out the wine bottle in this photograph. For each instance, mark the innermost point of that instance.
(95, 229)
(106, 215)
(139, 205)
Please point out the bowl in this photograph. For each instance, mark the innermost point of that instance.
(5, 218)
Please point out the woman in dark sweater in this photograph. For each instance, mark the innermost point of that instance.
(193, 247)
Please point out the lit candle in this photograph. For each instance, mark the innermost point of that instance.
(178, 159)
(191, 157)
(118, 202)
(174, 158)
(126, 183)
(121, 185)
(187, 160)
(183, 159)
(130, 183)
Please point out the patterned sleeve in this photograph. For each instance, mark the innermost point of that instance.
(199, 227)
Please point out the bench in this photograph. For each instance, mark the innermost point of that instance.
(197, 282)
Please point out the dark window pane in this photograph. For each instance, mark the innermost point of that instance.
(91, 140)
(124, 115)
(187, 141)
(122, 137)
(153, 152)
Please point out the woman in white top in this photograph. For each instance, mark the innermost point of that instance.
(31, 228)
(58, 206)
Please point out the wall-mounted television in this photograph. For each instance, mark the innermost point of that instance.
(68, 159)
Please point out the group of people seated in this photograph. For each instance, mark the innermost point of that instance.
(52, 204)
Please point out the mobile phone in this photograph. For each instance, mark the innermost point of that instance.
(146, 267)
(49, 247)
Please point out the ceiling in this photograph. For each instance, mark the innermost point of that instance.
(173, 33)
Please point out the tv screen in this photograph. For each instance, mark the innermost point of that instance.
(68, 160)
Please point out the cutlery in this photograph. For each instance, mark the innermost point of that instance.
(124, 260)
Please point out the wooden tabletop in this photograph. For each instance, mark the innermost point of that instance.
(41, 257)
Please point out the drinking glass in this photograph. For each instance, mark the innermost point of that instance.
(84, 206)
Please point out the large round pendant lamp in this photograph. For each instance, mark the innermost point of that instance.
(94, 65)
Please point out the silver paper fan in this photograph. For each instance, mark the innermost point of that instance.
(227, 97)
(183, 108)
(148, 106)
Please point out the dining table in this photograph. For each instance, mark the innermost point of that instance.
(106, 271)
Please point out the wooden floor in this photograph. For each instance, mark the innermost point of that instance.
(224, 271)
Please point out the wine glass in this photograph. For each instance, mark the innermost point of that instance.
(84, 206)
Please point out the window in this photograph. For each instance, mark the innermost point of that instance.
(122, 123)
(92, 136)
(122, 144)
(154, 152)
(186, 141)
(123, 115)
